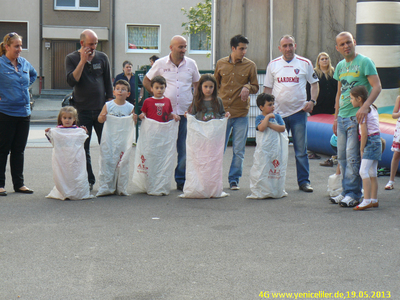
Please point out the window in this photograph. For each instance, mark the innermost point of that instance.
(143, 38)
(19, 27)
(93, 5)
(199, 44)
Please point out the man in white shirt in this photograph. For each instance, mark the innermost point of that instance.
(286, 79)
(181, 74)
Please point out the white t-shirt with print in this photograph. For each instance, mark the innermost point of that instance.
(288, 81)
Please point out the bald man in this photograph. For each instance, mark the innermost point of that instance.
(355, 69)
(181, 74)
(89, 74)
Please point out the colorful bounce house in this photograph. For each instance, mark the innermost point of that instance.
(378, 37)
(319, 132)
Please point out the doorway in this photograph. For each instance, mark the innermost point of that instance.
(60, 49)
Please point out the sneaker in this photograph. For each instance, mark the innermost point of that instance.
(91, 186)
(348, 202)
(337, 199)
(234, 186)
(327, 163)
(179, 187)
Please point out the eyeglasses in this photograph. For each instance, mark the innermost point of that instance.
(10, 35)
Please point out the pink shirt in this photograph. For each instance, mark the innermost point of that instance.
(179, 81)
(372, 121)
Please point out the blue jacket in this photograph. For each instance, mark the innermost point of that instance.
(14, 87)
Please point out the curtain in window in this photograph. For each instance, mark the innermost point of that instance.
(143, 37)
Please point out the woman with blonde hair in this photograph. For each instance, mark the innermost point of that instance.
(16, 75)
(327, 92)
(327, 85)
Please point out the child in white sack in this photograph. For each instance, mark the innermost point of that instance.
(156, 147)
(69, 159)
(116, 143)
(205, 142)
(268, 173)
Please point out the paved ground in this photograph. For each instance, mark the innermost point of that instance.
(144, 247)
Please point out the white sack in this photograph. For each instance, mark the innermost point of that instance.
(335, 185)
(205, 144)
(115, 149)
(69, 164)
(268, 173)
(155, 157)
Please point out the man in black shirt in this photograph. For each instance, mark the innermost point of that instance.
(88, 72)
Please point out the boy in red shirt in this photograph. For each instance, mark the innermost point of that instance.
(158, 107)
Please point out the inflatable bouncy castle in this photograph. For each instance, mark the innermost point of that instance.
(319, 132)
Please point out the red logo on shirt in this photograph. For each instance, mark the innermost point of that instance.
(288, 79)
(159, 108)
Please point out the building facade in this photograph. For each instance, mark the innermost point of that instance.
(127, 30)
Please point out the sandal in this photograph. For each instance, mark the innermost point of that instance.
(389, 186)
(313, 155)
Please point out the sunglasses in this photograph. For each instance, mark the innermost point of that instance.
(10, 35)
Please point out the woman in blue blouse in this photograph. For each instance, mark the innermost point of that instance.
(16, 75)
(129, 76)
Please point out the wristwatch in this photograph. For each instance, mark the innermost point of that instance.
(313, 101)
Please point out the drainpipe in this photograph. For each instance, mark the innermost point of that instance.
(40, 46)
(213, 26)
(271, 28)
(113, 38)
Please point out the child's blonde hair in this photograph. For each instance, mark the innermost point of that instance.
(67, 110)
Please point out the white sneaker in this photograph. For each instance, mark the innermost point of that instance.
(348, 202)
(337, 199)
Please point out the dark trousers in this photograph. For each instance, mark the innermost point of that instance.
(88, 118)
(13, 137)
(180, 170)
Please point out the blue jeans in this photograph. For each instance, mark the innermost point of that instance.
(239, 127)
(349, 158)
(297, 124)
(180, 170)
(88, 118)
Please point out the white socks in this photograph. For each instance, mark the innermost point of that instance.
(365, 202)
